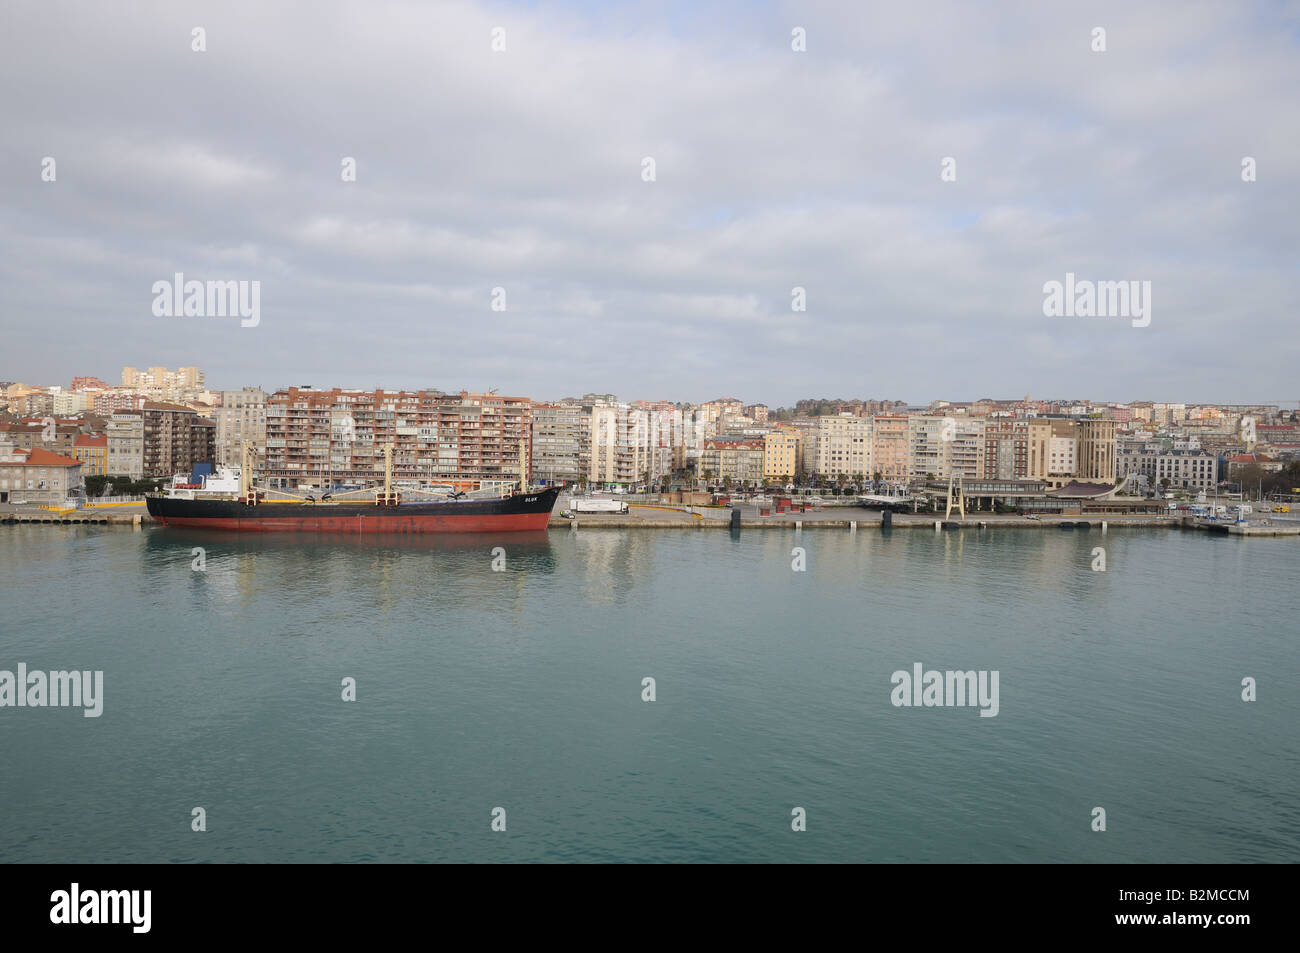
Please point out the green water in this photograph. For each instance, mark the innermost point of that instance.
(522, 689)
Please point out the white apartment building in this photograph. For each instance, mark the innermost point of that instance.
(943, 445)
(843, 446)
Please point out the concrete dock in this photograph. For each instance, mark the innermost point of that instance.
(657, 516)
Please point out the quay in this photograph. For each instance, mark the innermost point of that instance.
(843, 518)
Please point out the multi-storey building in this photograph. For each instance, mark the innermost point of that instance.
(38, 476)
(161, 384)
(561, 442)
(1081, 450)
(92, 451)
(844, 446)
(111, 401)
(1184, 469)
(666, 434)
(620, 446)
(926, 458)
(712, 413)
(241, 416)
(322, 437)
(1062, 449)
(889, 447)
(738, 459)
(65, 402)
(125, 436)
(1095, 461)
(48, 433)
(781, 455)
(1006, 448)
(33, 403)
(941, 446)
(175, 439)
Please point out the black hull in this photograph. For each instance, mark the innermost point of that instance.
(519, 513)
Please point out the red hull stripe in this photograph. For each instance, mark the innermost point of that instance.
(487, 523)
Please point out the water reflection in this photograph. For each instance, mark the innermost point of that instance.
(375, 572)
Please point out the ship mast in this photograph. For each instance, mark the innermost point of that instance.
(386, 496)
(523, 466)
(246, 493)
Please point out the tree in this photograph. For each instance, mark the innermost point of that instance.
(877, 476)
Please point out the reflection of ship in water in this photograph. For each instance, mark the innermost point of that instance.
(517, 544)
(243, 564)
(332, 586)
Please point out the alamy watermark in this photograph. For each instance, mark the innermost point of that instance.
(920, 688)
(75, 905)
(1098, 299)
(179, 298)
(52, 690)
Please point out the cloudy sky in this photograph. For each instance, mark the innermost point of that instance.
(523, 169)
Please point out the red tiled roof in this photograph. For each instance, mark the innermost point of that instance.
(86, 440)
(44, 458)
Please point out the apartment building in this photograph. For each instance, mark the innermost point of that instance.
(175, 438)
(322, 437)
(48, 433)
(111, 401)
(32, 402)
(561, 442)
(940, 446)
(620, 446)
(164, 385)
(738, 459)
(240, 416)
(124, 434)
(889, 447)
(781, 453)
(92, 451)
(66, 402)
(844, 446)
(1006, 448)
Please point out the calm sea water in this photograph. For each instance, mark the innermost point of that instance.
(522, 689)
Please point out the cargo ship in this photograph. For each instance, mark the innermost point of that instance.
(227, 500)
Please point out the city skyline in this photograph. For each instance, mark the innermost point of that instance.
(1283, 403)
(800, 158)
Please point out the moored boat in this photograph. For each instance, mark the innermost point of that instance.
(227, 500)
